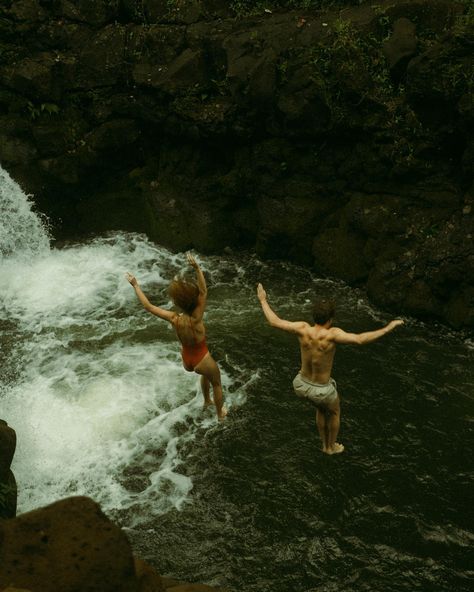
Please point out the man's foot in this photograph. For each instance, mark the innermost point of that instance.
(336, 449)
(208, 403)
(222, 414)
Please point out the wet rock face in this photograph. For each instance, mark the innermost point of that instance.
(8, 489)
(339, 140)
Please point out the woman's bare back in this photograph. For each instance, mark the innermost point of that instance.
(188, 330)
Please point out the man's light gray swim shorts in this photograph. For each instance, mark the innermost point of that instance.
(320, 394)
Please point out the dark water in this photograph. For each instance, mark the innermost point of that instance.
(102, 407)
(269, 512)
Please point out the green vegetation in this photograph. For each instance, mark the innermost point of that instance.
(35, 111)
(351, 64)
(354, 77)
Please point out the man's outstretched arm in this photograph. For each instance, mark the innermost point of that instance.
(273, 319)
(340, 336)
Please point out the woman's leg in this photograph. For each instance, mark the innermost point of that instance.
(205, 387)
(208, 368)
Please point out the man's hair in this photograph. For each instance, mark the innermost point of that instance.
(323, 311)
(184, 294)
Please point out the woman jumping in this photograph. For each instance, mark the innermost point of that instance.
(189, 327)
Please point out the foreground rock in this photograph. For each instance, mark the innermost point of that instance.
(340, 140)
(8, 489)
(71, 546)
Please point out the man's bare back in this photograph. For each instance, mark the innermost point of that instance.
(317, 353)
(318, 347)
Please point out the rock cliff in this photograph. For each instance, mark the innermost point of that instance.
(341, 140)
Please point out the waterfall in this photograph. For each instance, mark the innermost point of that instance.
(22, 232)
(92, 384)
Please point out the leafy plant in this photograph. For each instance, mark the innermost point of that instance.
(35, 111)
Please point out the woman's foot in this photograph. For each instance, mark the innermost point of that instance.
(335, 449)
(222, 414)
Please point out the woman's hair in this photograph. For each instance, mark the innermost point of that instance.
(323, 311)
(184, 294)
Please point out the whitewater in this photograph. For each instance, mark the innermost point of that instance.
(95, 386)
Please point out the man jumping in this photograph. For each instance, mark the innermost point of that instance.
(318, 346)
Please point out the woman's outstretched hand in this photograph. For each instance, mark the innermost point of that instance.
(261, 294)
(192, 261)
(131, 279)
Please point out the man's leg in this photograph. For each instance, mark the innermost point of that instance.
(322, 427)
(333, 424)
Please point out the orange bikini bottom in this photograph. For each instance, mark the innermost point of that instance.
(193, 354)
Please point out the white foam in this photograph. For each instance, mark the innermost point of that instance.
(96, 393)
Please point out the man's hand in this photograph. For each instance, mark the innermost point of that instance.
(192, 261)
(131, 279)
(395, 323)
(262, 295)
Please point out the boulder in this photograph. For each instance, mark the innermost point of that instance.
(92, 12)
(8, 489)
(338, 252)
(439, 80)
(8, 495)
(401, 46)
(436, 15)
(69, 546)
(33, 77)
(148, 579)
(28, 10)
(7, 447)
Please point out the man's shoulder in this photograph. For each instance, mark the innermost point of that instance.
(333, 332)
(301, 327)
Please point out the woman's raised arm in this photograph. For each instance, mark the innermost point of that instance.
(201, 282)
(167, 315)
